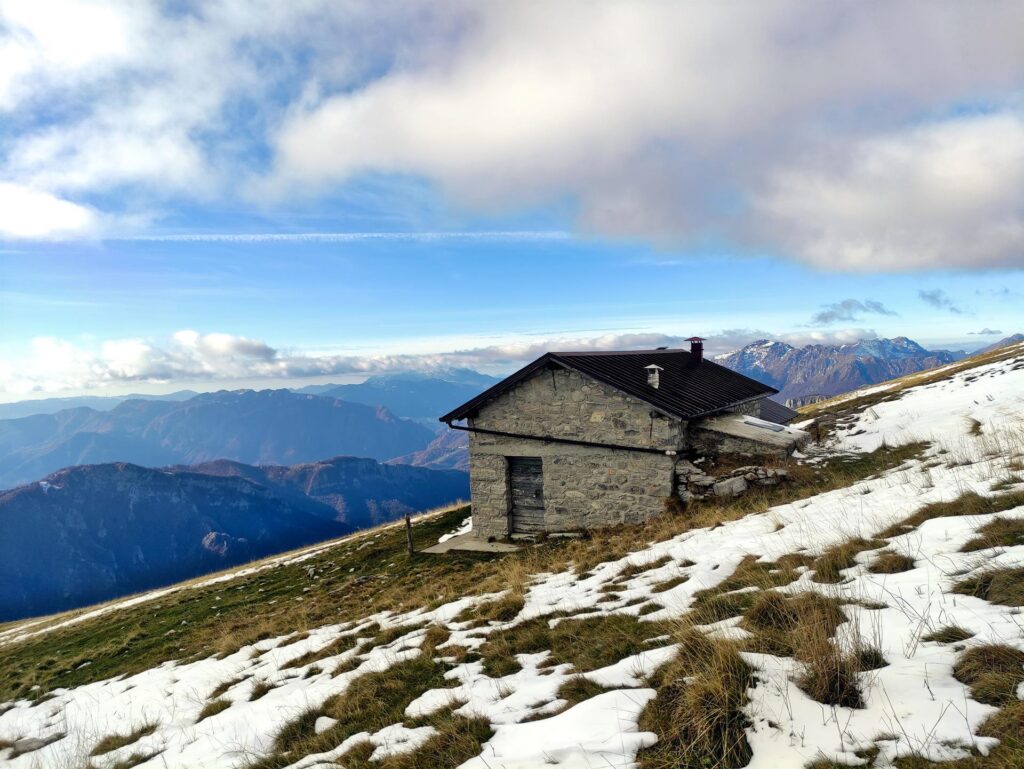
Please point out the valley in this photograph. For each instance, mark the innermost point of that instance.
(813, 611)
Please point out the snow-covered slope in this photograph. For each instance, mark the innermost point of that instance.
(913, 705)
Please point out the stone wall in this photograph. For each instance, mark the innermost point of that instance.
(565, 404)
(708, 443)
(584, 487)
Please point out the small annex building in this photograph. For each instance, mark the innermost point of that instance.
(579, 440)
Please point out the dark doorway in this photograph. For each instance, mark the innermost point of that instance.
(526, 487)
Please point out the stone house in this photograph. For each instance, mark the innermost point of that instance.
(579, 440)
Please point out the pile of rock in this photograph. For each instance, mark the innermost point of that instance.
(697, 483)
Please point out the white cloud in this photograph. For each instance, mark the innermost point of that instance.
(188, 356)
(675, 122)
(827, 132)
(26, 213)
(949, 194)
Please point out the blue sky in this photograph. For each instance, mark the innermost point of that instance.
(236, 194)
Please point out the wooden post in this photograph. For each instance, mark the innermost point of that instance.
(408, 533)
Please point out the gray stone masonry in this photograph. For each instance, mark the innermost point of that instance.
(584, 487)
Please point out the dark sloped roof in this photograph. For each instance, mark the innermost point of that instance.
(687, 389)
(773, 411)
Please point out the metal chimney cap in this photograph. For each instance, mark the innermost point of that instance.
(654, 367)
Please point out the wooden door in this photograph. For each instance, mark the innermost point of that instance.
(526, 486)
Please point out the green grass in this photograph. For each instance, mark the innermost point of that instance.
(336, 647)
(193, 623)
(371, 702)
(723, 601)
(458, 740)
(586, 644)
(503, 609)
(368, 573)
(828, 567)
(578, 689)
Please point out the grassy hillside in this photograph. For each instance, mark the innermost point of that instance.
(864, 612)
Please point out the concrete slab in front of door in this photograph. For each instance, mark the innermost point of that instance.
(472, 544)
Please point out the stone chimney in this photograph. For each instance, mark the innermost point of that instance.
(696, 349)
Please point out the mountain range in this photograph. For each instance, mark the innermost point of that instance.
(449, 450)
(256, 427)
(18, 409)
(94, 532)
(412, 395)
(803, 374)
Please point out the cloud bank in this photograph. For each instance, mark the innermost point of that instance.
(57, 365)
(849, 136)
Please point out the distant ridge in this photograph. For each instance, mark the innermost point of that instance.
(19, 409)
(1004, 342)
(803, 374)
(89, 533)
(256, 427)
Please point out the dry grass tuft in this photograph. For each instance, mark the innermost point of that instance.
(634, 569)
(968, 503)
(668, 584)
(371, 702)
(950, 634)
(222, 688)
(830, 672)
(259, 688)
(804, 626)
(1002, 586)
(993, 671)
(736, 594)
(577, 689)
(777, 620)
(586, 644)
(458, 739)
(890, 562)
(212, 708)
(829, 565)
(338, 646)
(999, 532)
(698, 713)
(115, 741)
(503, 609)
(1006, 725)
